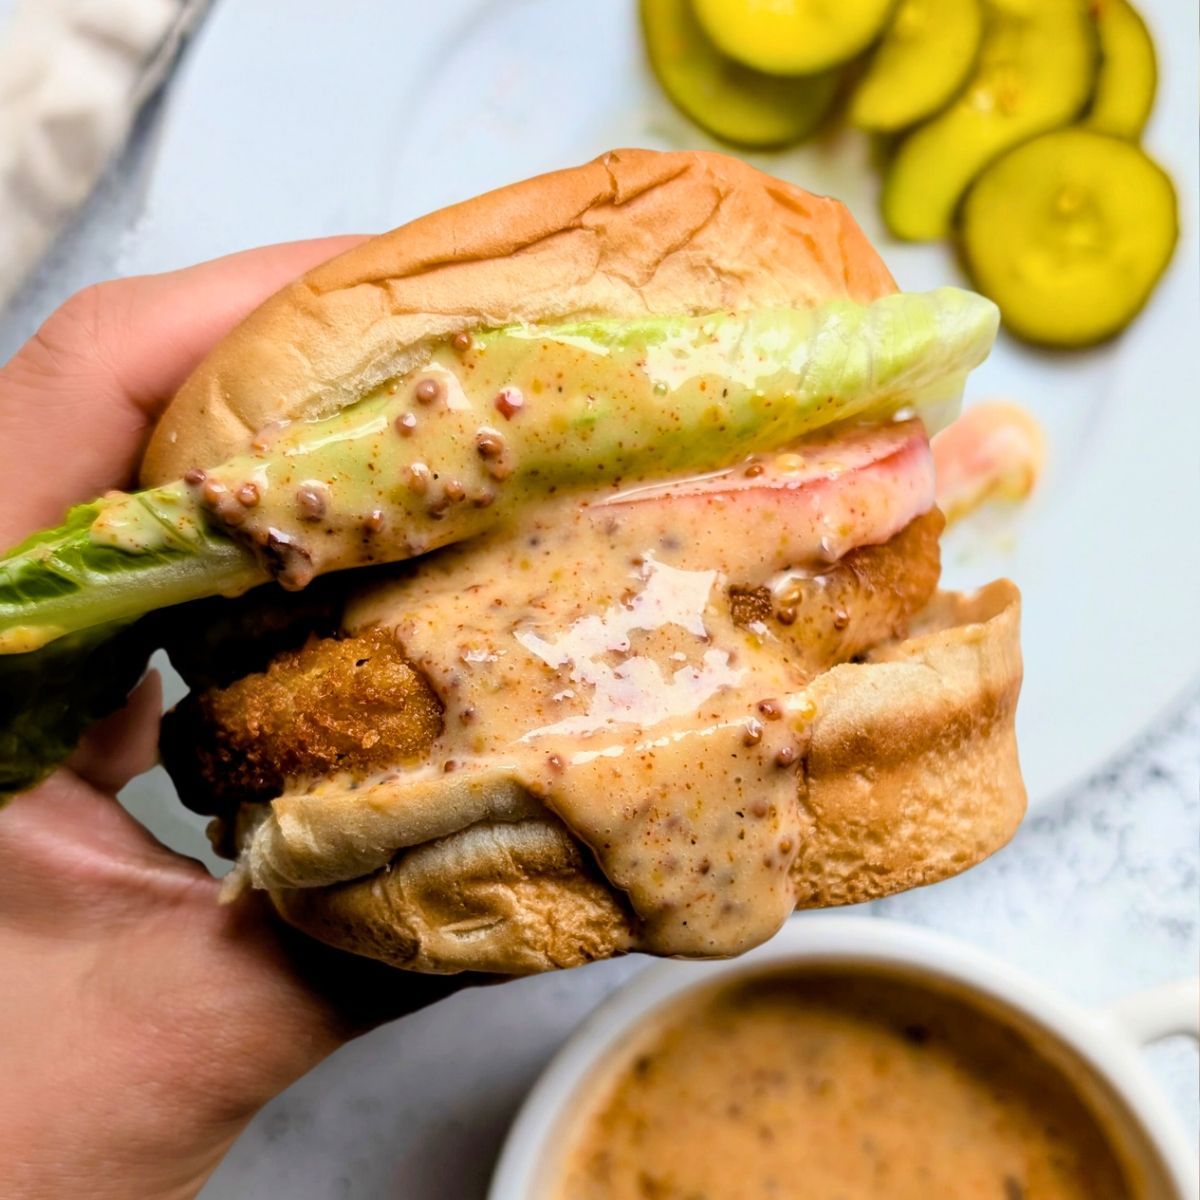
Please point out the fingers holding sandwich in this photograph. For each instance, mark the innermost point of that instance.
(78, 400)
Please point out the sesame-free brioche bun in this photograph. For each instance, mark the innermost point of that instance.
(910, 771)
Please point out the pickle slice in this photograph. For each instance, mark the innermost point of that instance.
(1128, 75)
(925, 57)
(1036, 68)
(729, 100)
(792, 37)
(1068, 234)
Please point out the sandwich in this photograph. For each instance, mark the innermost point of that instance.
(555, 576)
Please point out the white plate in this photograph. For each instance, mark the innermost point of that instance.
(310, 118)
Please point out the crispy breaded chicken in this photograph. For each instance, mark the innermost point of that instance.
(335, 704)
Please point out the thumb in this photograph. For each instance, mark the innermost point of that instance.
(124, 744)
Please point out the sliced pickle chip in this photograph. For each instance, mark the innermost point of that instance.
(1036, 69)
(792, 37)
(1068, 234)
(722, 96)
(924, 59)
(1128, 75)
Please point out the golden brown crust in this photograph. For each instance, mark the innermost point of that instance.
(911, 776)
(334, 705)
(630, 233)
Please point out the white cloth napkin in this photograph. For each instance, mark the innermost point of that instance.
(73, 74)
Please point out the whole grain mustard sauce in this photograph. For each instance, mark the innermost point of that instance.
(837, 1088)
(591, 657)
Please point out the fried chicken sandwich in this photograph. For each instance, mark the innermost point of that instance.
(572, 563)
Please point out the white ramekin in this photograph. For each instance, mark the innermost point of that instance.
(1098, 1050)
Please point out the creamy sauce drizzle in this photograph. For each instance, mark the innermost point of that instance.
(591, 656)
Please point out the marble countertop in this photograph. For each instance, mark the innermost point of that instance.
(1097, 896)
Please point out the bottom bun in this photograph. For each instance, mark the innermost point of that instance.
(911, 775)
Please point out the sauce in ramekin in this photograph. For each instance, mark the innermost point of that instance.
(838, 1087)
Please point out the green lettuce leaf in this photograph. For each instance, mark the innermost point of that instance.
(906, 353)
(65, 580)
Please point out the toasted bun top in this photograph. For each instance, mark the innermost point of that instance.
(630, 233)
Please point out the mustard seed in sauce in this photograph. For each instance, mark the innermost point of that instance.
(311, 503)
(212, 491)
(427, 391)
(418, 478)
(771, 709)
(754, 470)
(786, 756)
(406, 424)
(374, 521)
(248, 495)
(462, 341)
(454, 491)
(753, 734)
(509, 402)
(489, 443)
(289, 563)
(841, 619)
(194, 477)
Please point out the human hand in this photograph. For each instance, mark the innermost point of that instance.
(141, 1024)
